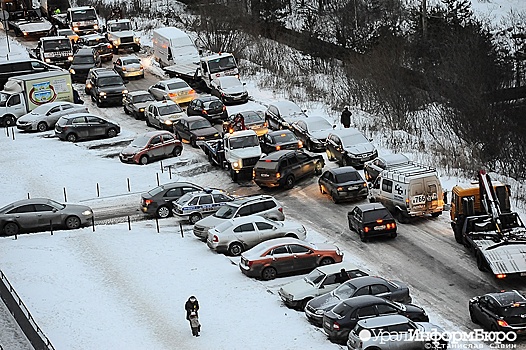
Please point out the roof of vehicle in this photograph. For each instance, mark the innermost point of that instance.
(277, 241)
(30, 201)
(129, 57)
(215, 56)
(227, 77)
(363, 300)
(193, 118)
(244, 200)
(92, 36)
(173, 80)
(163, 103)
(246, 219)
(208, 98)
(81, 114)
(81, 8)
(284, 104)
(241, 133)
(207, 191)
(382, 321)
(508, 298)
(275, 156)
(178, 184)
(50, 105)
(334, 268)
(155, 133)
(171, 32)
(359, 282)
(85, 51)
(342, 170)
(371, 206)
(138, 93)
(394, 158)
(105, 72)
(345, 132)
(279, 132)
(46, 38)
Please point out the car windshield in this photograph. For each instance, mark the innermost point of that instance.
(373, 215)
(221, 64)
(131, 61)
(315, 277)
(354, 139)
(142, 98)
(57, 45)
(169, 109)
(200, 124)
(284, 137)
(83, 15)
(177, 85)
(267, 164)
(83, 60)
(96, 41)
(109, 81)
(155, 191)
(244, 141)
(140, 142)
(345, 291)
(347, 177)
(185, 199)
(229, 82)
(117, 27)
(319, 124)
(226, 212)
(251, 118)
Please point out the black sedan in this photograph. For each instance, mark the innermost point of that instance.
(279, 140)
(368, 285)
(42, 214)
(339, 321)
(343, 184)
(158, 201)
(371, 220)
(83, 126)
(195, 130)
(502, 311)
(209, 107)
(313, 131)
(135, 103)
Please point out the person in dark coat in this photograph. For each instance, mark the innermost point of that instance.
(342, 276)
(192, 307)
(346, 117)
(76, 98)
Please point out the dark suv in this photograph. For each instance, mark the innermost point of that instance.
(209, 107)
(99, 43)
(107, 87)
(284, 168)
(83, 60)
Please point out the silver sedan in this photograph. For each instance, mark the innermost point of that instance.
(41, 214)
(45, 117)
(129, 66)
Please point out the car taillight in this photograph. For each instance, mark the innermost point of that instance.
(501, 275)
(204, 111)
(278, 148)
(502, 323)
(336, 326)
(280, 210)
(390, 226)
(300, 144)
(278, 175)
(109, 46)
(141, 67)
(148, 201)
(366, 229)
(215, 239)
(172, 94)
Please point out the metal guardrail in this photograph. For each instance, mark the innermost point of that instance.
(22, 316)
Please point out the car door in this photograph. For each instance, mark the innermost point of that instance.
(156, 91)
(155, 120)
(81, 127)
(207, 204)
(96, 126)
(300, 130)
(53, 115)
(330, 146)
(488, 312)
(246, 234)
(338, 149)
(182, 129)
(294, 165)
(355, 219)
(363, 313)
(47, 215)
(168, 144)
(282, 259)
(172, 195)
(304, 258)
(24, 216)
(306, 163)
(267, 231)
(325, 182)
(155, 148)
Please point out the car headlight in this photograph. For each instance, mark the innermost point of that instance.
(319, 312)
(88, 85)
(72, 71)
(141, 110)
(70, 58)
(75, 29)
(168, 122)
(87, 212)
(137, 40)
(216, 135)
(237, 164)
(47, 60)
(124, 92)
(96, 27)
(102, 93)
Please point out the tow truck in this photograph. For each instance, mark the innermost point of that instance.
(497, 238)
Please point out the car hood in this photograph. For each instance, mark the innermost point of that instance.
(112, 88)
(360, 148)
(247, 152)
(205, 131)
(298, 288)
(35, 26)
(324, 302)
(31, 117)
(123, 34)
(321, 134)
(234, 90)
(131, 150)
(76, 208)
(142, 104)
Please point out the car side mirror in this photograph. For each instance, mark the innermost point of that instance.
(54, 210)
(310, 252)
(334, 126)
(322, 287)
(370, 140)
(370, 185)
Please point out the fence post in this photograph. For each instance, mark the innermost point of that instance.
(162, 170)
(181, 228)
(158, 182)
(170, 171)
(129, 223)
(98, 190)
(157, 224)
(128, 181)
(7, 131)
(93, 223)
(13, 133)
(51, 226)
(65, 195)
(28, 195)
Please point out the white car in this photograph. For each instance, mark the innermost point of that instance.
(234, 236)
(174, 89)
(45, 117)
(321, 280)
(229, 89)
(129, 66)
(163, 114)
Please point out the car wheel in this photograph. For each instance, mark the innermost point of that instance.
(143, 160)
(235, 249)
(394, 235)
(72, 222)
(163, 212)
(11, 229)
(481, 263)
(112, 132)
(335, 198)
(42, 126)
(401, 217)
(436, 215)
(473, 317)
(289, 182)
(71, 137)
(193, 142)
(317, 168)
(177, 151)
(326, 261)
(363, 238)
(269, 273)
(9, 121)
(194, 218)
(321, 189)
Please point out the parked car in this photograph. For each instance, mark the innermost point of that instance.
(106, 87)
(343, 183)
(151, 146)
(135, 103)
(209, 107)
(236, 235)
(262, 205)
(83, 60)
(83, 126)
(371, 220)
(284, 168)
(163, 114)
(254, 120)
(281, 114)
(501, 311)
(74, 37)
(196, 205)
(313, 132)
(321, 280)
(229, 89)
(45, 116)
(158, 201)
(395, 332)
(195, 130)
(174, 89)
(280, 256)
(99, 43)
(129, 66)
(374, 167)
(279, 140)
(369, 285)
(88, 86)
(349, 147)
(42, 214)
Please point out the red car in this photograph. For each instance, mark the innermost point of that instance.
(285, 256)
(151, 146)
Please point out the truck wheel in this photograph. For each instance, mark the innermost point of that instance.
(458, 234)
(136, 48)
(9, 120)
(481, 263)
(233, 175)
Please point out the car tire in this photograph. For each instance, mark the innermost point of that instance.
(11, 229)
(326, 261)
(163, 212)
(72, 222)
(126, 111)
(436, 215)
(473, 317)
(269, 273)
(143, 160)
(71, 137)
(112, 132)
(194, 218)
(318, 168)
(334, 198)
(289, 182)
(42, 126)
(235, 249)
(193, 142)
(394, 235)
(177, 151)
(363, 238)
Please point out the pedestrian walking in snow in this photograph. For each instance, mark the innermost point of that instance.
(346, 117)
(192, 307)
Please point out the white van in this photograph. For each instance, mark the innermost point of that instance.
(172, 46)
(409, 191)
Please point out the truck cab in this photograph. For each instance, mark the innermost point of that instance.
(12, 105)
(120, 35)
(55, 50)
(217, 65)
(83, 20)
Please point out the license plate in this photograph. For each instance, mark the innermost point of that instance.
(265, 175)
(328, 324)
(378, 228)
(523, 274)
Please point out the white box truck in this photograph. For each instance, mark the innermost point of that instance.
(24, 93)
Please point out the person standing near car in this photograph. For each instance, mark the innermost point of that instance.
(346, 117)
(192, 307)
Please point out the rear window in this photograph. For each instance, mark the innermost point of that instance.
(347, 177)
(178, 85)
(380, 214)
(342, 309)
(156, 190)
(214, 105)
(284, 137)
(267, 165)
